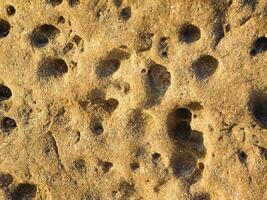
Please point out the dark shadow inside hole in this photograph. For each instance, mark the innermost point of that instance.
(41, 35)
(263, 152)
(227, 28)
(163, 47)
(5, 180)
(39, 40)
(55, 2)
(189, 33)
(77, 39)
(158, 80)
(183, 114)
(242, 156)
(24, 191)
(204, 67)
(251, 3)
(96, 126)
(111, 105)
(10, 10)
(117, 3)
(259, 46)
(196, 144)
(125, 13)
(195, 176)
(218, 32)
(183, 165)
(4, 28)
(182, 130)
(8, 124)
(107, 67)
(106, 166)
(73, 3)
(155, 157)
(134, 166)
(52, 67)
(258, 108)
(126, 189)
(178, 123)
(5, 93)
(201, 166)
(61, 19)
(97, 96)
(201, 196)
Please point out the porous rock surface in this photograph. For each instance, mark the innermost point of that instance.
(133, 99)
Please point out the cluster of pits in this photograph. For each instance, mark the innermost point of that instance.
(188, 144)
(19, 192)
(7, 124)
(98, 99)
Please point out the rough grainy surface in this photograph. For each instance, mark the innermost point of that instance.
(133, 99)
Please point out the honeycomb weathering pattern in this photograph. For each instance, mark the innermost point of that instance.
(133, 99)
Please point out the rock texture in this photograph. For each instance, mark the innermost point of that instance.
(133, 99)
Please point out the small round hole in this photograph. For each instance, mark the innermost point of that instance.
(98, 129)
(126, 13)
(111, 105)
(61, 20)
(134, 166)
(227, 28)
(106, 166)
(117, 3)
(5, 93)
(201, 166)
(4, 28)
(189, 33)
(8, 124)
(10, 10)
(96, 126)
(155, 157)
(204, 67)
